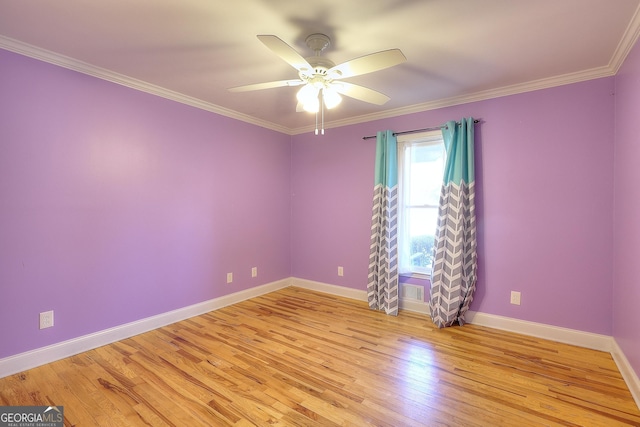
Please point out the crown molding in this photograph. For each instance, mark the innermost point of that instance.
(631, 35)
(50, 57)
(628, 40)
(580, 76)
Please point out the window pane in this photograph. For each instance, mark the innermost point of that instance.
(421, 160)
(422, 224)
(426, 174)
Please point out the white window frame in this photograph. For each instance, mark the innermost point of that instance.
(404, 141)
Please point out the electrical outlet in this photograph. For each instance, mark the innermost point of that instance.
(515, 297)
(46, 319)
(254, 272)
(340, 271)
(229, 277)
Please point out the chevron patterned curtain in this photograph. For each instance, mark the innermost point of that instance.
(382, 286)
(454, 271)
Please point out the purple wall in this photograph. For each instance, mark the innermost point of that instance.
(626, 284)
(545, 178)
(116, 205)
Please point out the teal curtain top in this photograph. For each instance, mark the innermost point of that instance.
(458, 142)
(386, 159)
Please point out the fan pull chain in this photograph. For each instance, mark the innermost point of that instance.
(321, 109)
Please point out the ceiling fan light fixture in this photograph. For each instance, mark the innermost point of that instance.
(308, 97)
(331, 98)
(311, 106)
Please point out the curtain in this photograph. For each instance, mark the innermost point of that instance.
(454, 271)
(382, 284)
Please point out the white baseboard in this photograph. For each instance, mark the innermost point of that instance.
(341, 291)
(415, 306)
(629, 375)
(30, 359)
(356, 294)
(540, 330)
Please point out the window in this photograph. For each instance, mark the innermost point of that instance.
(421, 160)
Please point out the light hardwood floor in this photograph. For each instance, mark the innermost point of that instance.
(301, 358)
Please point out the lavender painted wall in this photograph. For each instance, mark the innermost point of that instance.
(116, 205)
(545, 178)
(626, 285)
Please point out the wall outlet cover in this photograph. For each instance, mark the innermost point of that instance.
(46, 319)
(515, 297)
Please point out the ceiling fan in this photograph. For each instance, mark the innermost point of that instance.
(321, 78)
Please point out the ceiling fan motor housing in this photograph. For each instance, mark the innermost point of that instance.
(320, 66)
(318, 42)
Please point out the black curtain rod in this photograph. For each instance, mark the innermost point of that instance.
(415, 130)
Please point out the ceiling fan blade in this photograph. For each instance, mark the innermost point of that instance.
(368, 64)
(285, 52)
(360, 92)
(267, 85)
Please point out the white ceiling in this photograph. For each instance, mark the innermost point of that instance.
(457, 50)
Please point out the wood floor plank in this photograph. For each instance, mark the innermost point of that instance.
(302, 358)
